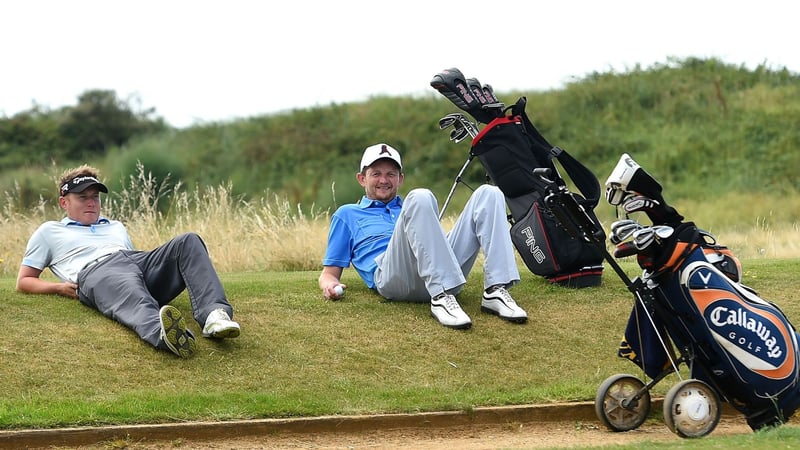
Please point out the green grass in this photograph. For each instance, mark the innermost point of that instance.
(773, 438)
(299, 355)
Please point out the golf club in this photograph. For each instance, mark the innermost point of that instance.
(447, 121)
(459, 119)
(663, 231)
(643, 238)
(458, 134)
(622, 230)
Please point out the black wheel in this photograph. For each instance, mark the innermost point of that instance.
(691, 409)
(614, 406)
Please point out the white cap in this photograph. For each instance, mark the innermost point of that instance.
(379, 151)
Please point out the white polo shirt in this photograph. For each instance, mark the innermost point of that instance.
(67, 246)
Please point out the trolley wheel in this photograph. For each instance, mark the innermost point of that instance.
(691, 409)
(613, 403)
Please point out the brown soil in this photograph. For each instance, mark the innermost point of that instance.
(558, 426)
(474, 437)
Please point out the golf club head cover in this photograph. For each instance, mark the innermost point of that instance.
(488, 92)
(489, 103)
(477, 90)
(636, 203)
(629, 179)
(617, 189)
(453, 85)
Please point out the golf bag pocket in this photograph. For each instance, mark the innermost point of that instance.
(548, 250)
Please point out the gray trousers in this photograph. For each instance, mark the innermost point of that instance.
(422, 260)
(131, 286)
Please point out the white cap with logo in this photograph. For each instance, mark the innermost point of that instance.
(379, 151)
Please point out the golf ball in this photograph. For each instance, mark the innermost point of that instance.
(338, 290)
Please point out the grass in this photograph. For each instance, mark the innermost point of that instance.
(272, 234)
(774, 438)
(300, 355)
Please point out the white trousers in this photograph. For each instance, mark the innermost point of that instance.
(422, 261)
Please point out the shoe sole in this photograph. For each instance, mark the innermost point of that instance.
(226, 333)
(509, 319)
(176, 337)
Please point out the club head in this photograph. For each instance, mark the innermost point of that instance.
(471, 127)
(643, 238)
(623, 230)
(621, 223)
(458, 119)
(458, 134)
(663, 231)
(447, 121)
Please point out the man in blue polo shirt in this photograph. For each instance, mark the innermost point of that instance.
(399, 248)
(96, 263)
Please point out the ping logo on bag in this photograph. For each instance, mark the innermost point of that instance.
(530, 241)
(750, 329)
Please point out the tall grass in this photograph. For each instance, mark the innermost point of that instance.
(270, 233)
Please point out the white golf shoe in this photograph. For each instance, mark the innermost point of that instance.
(219, 325)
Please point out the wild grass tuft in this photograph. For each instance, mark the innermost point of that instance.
(269, 233)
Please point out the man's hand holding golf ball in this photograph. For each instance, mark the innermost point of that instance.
(335, 291)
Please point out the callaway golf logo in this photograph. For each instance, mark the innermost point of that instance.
(747, 330)
(751, 332)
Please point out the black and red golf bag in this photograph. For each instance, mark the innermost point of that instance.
(510, 148)
(692, 308)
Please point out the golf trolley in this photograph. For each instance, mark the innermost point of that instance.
(738, 347)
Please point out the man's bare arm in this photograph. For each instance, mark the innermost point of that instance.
(28, 281)
(329, 279)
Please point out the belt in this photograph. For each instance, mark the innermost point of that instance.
(96, 261)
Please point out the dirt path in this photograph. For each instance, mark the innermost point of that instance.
(521, 436)
(463, 437)
(551, 426)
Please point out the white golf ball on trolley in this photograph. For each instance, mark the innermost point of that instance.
(338, 290)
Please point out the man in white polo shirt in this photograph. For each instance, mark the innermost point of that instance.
(96, 263)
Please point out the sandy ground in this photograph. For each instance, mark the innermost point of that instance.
(471, 437)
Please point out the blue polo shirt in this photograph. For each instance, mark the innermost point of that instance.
(359, 233)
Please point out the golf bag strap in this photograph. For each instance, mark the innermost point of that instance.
(584, 179)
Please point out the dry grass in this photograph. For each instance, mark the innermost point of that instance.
(264, 234)
(271, 234)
